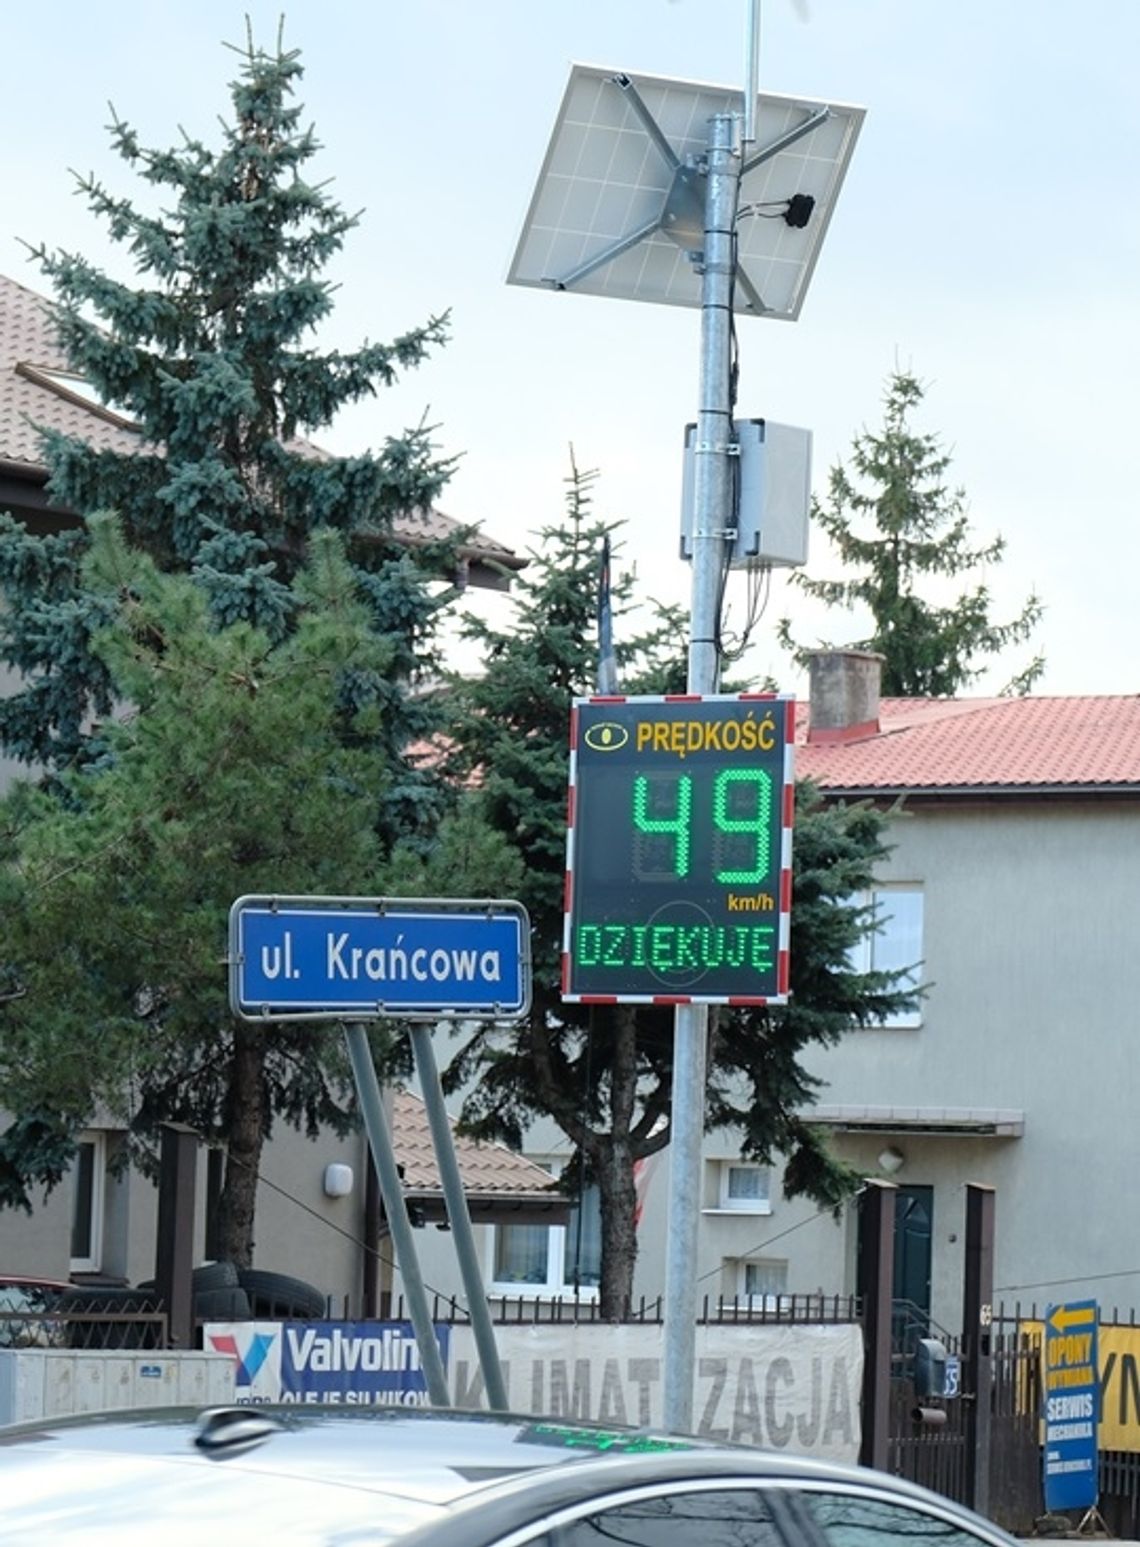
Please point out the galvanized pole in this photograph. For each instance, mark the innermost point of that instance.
(391, 1190)
(712, 515)
(751, 70)
(459, 1218)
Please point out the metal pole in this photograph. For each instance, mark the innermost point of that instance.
(752, 71)
(459, 1218)
(711, 517)
(380, 1140)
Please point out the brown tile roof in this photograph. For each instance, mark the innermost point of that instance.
(985, 744)
(29, 348)
(487, 1170)
(28, 339)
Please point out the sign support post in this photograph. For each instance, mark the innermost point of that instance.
(688, 189)
(711, 519)
(459, 1217)
(380, 1142)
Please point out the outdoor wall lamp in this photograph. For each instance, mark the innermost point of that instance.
(337, 1180)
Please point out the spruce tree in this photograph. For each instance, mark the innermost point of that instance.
(212, 350)
(895, 523)
(605, 1074)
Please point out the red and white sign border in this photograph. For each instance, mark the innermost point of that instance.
(785, 908)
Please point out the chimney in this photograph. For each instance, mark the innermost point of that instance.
(843, 694)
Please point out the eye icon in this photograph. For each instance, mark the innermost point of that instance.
(606, 737)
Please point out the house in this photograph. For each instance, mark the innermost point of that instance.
(319, 1217)
(39, 391)
(1011, 894)
(1012, 891)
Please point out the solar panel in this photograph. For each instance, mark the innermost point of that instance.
(619, 203)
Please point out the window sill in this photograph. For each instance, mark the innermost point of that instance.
(751, 1210)
(541, 1292)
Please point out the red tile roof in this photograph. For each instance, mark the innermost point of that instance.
(981, 745)
(28, 348)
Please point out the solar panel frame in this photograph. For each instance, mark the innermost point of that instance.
(603, 178)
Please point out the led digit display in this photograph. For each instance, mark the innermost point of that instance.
(679, 850)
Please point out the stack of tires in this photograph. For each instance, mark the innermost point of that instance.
(218, 1295)
(277, 1297)
(223, 1292)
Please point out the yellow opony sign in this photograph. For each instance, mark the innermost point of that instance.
(1119, 1379)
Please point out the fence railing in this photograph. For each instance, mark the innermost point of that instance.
(124, 1318)
(87, 1318)
(713, 1310)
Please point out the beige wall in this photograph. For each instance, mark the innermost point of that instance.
(1031, 951)
(300, 1231)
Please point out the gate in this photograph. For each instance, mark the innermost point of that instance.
(935, 1455)
(930, 1453)
(1016, 1498)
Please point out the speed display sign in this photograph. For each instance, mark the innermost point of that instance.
(679, 850)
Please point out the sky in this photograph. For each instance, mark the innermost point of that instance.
(987, 238)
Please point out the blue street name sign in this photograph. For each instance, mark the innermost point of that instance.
(327, 958)
(1072, 1408)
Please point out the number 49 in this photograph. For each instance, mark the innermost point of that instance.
(679, 824)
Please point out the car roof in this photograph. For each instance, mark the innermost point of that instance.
(300, 1473)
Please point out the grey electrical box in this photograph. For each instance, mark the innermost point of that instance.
(775, 494)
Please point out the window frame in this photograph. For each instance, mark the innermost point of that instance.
(93, 1261)
(941, 1518)
(768, 1300)
(555, 1286)
(745, 1207)
(862, 956)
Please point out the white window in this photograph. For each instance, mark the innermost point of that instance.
(896, 944)
(764, 1278)
(743, 1187)
(548, 1260)
(88, 1182)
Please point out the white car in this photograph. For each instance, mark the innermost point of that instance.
(352, 1476)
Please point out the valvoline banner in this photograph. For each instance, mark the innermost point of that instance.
(361, 1362)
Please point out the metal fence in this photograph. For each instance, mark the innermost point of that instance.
(95, 1318)
(759, 1310)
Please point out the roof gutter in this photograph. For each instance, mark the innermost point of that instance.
(964, 792)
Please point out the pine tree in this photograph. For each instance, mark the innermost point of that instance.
(116, 889)
(605, 1074)
(894, 522)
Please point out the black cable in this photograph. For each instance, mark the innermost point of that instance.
(722, 652)
(779, 1236)
(365, 1246)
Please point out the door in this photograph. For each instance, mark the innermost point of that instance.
(914, 1215)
